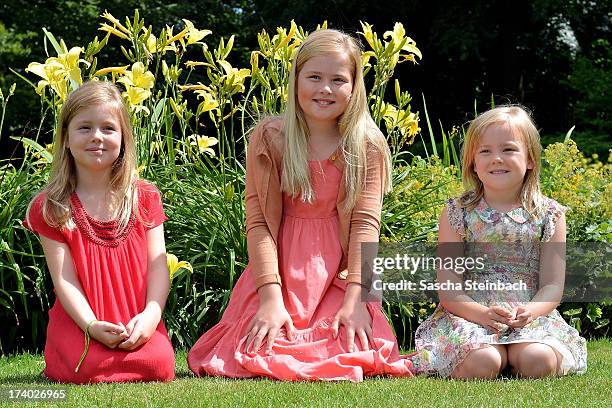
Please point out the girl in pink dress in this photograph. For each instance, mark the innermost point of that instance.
(315, 184)
(102, 234)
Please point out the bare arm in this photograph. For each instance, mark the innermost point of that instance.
(70, 294)
(457, 301)
(142, 326)
(552, 278)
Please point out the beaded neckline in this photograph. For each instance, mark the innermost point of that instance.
(99, 232)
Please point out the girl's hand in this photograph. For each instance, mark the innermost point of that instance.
(357, 321)
(524, 316)
(108, 333)
(266, 323)
(496, 318)
(140, 329)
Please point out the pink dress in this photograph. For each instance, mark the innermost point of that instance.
(309, 257)
(112, 271)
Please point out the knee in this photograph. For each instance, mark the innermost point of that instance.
(536, 361)
(484, 363)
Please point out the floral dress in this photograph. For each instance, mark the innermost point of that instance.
(444, 340)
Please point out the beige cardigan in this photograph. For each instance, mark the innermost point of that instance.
(264, 206)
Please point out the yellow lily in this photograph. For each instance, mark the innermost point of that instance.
(151, 44)
(204, 143)
(114, 71)
(138, 77)
(111, 70)
(193, 64)
(398, 35)
(112, 30)
(174, 265)
(209, 103)
(70, 61)
(178, 108)
(234, 77)
(198, 86)
(193, 34)
(288, 37)
(172, 38)
(135, 96)
(53, 74)
(369, 35)
(115, 21)
(254, 62)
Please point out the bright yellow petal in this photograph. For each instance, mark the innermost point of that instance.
(113, 30)
(38, 69)
(114, 70)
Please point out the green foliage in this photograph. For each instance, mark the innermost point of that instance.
(202, 186)
(190, 119)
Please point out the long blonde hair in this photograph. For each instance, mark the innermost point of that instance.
(519, 120)
(357, 129)
(63, 178)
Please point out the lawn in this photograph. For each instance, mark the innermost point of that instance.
(591, 389)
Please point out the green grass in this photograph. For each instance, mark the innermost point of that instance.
(591, 389)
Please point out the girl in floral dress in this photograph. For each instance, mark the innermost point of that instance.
(504, 219)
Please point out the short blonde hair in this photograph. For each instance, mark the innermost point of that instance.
(63, 179)
(357, 129)
(519, 120)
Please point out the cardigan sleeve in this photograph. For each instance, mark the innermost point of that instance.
(365, 217)
(261, 246)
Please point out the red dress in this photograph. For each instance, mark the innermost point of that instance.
(112, 271)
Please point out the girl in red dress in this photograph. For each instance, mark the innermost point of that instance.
(102, 234)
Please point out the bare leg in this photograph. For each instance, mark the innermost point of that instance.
(534, 360)
(482, 363)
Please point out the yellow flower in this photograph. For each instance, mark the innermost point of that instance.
(170, 38)
(398, 35)
(193, 64)
(151, 44)
(138, 77)
(209, 103)
(193, 34)
(51, 72)
(369, 35)
(287, 37)
(114, 71)
(70, 61)
(178, 108)
(116, 23)
(135, 96)
(174, 265)
(113, 30)
(204, 143)
(233, 80)
(197, 87)
(254, 62)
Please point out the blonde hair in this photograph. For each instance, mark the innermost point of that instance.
(357, 129)
(63, 181)
(519, 120)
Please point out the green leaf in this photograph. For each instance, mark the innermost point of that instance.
(34, 145)
(53, 41)
(572, 312)
(568, 135)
